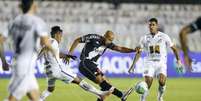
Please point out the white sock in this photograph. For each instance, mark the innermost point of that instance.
(161, 90)
(44, 95)
(88, 87)
(143, 96)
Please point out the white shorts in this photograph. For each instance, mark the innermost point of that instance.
(23, 79)
(154, 68)
(55, 72)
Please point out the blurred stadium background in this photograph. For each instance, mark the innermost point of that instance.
(128, 19)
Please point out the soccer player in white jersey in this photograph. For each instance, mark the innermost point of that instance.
(155, 44)
(55, 70)
(25, 29)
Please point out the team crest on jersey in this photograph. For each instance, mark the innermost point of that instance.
(97, 42)
(100, 49)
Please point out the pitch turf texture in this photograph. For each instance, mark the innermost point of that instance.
(178, 89)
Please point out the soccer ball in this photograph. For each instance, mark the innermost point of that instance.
(141, 87)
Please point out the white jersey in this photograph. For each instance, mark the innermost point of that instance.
(25, 31)
(55, 70)
(49, 57)
(156, 46)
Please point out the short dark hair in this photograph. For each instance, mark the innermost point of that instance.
(26, 5)
(153, 20)
(54, 30)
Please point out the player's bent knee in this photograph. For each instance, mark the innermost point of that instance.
(162, 82)
(149, 81)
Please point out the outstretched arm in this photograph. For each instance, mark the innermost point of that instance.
(136, 58)
(74, 45)
(66, 59)
(183, 39)
(64, 56)
(176, 53)
(2, 56)
(41, 53)
(180, 67)
(123, 49)
(184, 47)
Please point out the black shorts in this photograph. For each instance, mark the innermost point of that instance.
(89, 69)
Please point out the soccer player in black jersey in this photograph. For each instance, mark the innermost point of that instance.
(192, 27)
(95, 46)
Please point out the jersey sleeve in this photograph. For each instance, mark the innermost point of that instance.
(141, 42)
(168, 41)
(196, 25)
(89, 37)
(41, 28)
(54, 44)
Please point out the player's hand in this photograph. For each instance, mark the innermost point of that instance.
(188, 62)
(72, 57)
(179, 68)
(138, 49)
(131, 70)
(5, 66)
(67, 58)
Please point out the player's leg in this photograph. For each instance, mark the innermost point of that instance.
(33, 95)
(148, 74)
(90, 70)
(162, 72)
(162, 87)
(33, 89)
(90, 88)
(149, 81)
(105, 85)
(17, 88)
(11, 98)
(49, 90)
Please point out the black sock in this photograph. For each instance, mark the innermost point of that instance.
(106, 86)
(117, 93)
(101, 90)
(99, 100)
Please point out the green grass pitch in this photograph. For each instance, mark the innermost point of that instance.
(178, 89)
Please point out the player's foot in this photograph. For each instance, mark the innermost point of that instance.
(41, 100)
(160, 98)
(126, 94)
(161, 91)
(105, 94)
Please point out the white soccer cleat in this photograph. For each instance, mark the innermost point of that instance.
(160, 99)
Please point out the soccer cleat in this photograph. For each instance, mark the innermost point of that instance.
(160, 98)
(126, 94)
